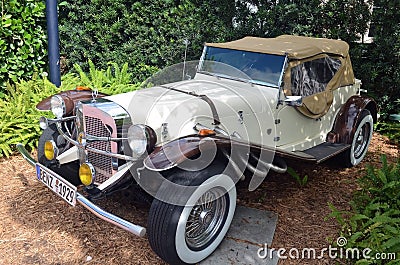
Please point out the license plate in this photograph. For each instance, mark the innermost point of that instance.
(57, 184)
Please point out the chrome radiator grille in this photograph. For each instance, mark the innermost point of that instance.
(102, 164)
(93, 119)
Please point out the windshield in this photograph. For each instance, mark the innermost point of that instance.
(259, 68)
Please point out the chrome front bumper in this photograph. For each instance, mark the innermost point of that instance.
(96, 210)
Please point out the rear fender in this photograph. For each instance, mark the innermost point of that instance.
(346, 119)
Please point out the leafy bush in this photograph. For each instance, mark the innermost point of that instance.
(19, 123)
(22, 40)
(375, 222)
(114, 80)
(390, 129)
(146, 34)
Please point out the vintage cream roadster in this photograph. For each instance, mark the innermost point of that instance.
(247, 107)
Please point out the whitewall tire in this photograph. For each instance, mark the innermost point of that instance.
(361, 140)
(190, 233)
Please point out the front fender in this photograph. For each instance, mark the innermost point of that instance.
(71, 97)
(346, 119)
(179, 150)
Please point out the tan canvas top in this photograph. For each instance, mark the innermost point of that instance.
(297, 47)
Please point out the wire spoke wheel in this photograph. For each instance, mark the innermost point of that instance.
(362, 140)
(189, 232)
(206, 218)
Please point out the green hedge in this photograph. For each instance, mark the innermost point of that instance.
(22, 40)
(147, 34)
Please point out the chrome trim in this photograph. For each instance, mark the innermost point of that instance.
(51, 121)
(92, 138)
(118, 113)
(280, 82)
(96, 210)
(101, 152)
(25, 154)
(109, 217)
(89, 138)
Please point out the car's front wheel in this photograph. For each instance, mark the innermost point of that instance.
(188, 232)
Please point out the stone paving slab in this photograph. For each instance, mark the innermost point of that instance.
(238, 253)
(253, 225)
(250, 230)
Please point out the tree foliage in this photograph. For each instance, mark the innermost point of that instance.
(378, 64)
(150, 34)
(331, 19)
(22, 39)
(145, 34)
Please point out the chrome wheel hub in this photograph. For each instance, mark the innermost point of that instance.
(206, 218)
(361, 140)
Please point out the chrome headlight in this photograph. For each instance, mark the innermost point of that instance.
(137, 139)
(141, 138)
(57, 106)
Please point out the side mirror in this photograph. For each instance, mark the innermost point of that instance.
(295, 101)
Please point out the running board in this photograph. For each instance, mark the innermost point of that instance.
(325, 151)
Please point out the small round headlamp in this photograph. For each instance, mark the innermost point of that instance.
(86, 174)
(50, 150)
(57, 106)
(137, 139)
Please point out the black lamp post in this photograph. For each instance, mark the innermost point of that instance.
(53, 42)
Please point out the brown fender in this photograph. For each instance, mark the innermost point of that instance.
(177, 151)
(71, 97)
(346, 119)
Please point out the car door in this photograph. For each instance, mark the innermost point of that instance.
(302, 127)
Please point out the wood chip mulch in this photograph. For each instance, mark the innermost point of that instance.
(37, 227)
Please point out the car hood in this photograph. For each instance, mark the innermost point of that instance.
(172, 110)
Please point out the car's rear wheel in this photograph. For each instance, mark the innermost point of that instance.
(68, 171)
(361, 140)
(189, 233)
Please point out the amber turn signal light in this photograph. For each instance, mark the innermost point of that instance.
(206, 132)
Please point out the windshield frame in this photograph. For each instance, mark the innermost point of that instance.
(236, 78)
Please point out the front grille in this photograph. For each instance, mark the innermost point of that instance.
(102, 163)
(100, 118)
(95, 122)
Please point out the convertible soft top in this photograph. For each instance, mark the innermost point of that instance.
(315, 69)
(296, 47)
